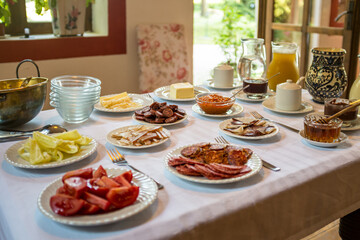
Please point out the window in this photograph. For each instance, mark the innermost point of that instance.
(14, 50)
(311, 23)
(23, 16)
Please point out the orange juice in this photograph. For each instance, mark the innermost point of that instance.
(283, 62)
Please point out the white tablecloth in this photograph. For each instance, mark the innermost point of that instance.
(314, 187)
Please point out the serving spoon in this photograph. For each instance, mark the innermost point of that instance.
(326, 120)
(47, 129)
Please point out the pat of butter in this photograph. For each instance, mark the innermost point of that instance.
(181, 90)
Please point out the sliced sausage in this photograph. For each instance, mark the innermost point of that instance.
(159, 120)
(181, 111)
(155, 105)
(139, 113)
(171, 119)
(141, 118)
(148, 115)
(179, 116)
(167, 112)
(159, 114)
(145, 109)
(173, 107)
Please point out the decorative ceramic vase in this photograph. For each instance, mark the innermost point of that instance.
(326, 77)
(68, 17)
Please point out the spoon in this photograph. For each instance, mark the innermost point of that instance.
(25, 82)
(47, 129)
(352, 105)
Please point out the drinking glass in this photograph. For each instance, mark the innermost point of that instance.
(252, 67)
(285, 62)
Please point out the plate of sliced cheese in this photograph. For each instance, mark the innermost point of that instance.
(123, 102)
(179, 92)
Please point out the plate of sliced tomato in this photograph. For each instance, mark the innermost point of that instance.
(89, 197)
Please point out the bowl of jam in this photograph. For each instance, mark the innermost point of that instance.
(334, 105)
(316, 129)
(214, 103)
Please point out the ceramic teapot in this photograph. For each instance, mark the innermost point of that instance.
(326, 77)
(288, 95)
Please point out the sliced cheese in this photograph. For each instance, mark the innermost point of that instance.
(181, 90)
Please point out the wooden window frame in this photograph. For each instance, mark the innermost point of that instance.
(14, 50)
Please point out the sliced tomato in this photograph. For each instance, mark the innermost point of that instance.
(123, 196)
(95, 189)
(96, 200)
(122, 181)
(110, 183)
(99, 172)
(62, 190)
(89, 208)
(65, 205)
(83, 173)
(99, 182)
(75, 186)
(128, 176)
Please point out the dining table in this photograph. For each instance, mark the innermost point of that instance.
(314, 187)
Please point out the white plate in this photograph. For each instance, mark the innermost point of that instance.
(147, 195)
(243, 97)
(164, 93)
(115, 142)
(355, 125)
(254, 163)
(270, 104)
(160, 124)
(12, 156)
(342, 139)
(234, 110)
(236, 83)
(138, 98)
(223, 124)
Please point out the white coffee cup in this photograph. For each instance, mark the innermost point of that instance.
(223, 76)
(288, 96)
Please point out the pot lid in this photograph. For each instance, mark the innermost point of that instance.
(289, 85)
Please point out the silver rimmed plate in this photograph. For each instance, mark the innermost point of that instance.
(233, 111)
(341, 140)
(142, 100)
(12, 156)
(254, 163)
(223, 125)
(147, 195)
(270, 104)
(160, 124)
(243, 96)
(164, 93)
(117, 143)
(236, 84)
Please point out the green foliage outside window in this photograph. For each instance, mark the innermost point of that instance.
(238, 22)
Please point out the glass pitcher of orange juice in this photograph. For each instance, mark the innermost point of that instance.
(284, 61)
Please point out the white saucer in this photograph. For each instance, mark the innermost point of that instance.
(164, 93)
(270, 104)
(210, 83)
(355, 125)
(342, 139)
(234, 110)
(243, 96)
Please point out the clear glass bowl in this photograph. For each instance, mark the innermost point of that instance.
(214, 103)
(322, 132)
(74, 97)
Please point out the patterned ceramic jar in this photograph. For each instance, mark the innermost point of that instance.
(326, 77)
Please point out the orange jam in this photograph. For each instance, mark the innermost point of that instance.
(214, 104)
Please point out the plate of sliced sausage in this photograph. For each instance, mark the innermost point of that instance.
(160, 114)
(213, 163)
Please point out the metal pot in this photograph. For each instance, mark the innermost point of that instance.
(18, 105)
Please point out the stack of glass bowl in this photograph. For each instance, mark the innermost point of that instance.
(74, 97)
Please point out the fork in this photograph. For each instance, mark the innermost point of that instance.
(118, 159)
(148, 95)
(221, 139)
(259, 116)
